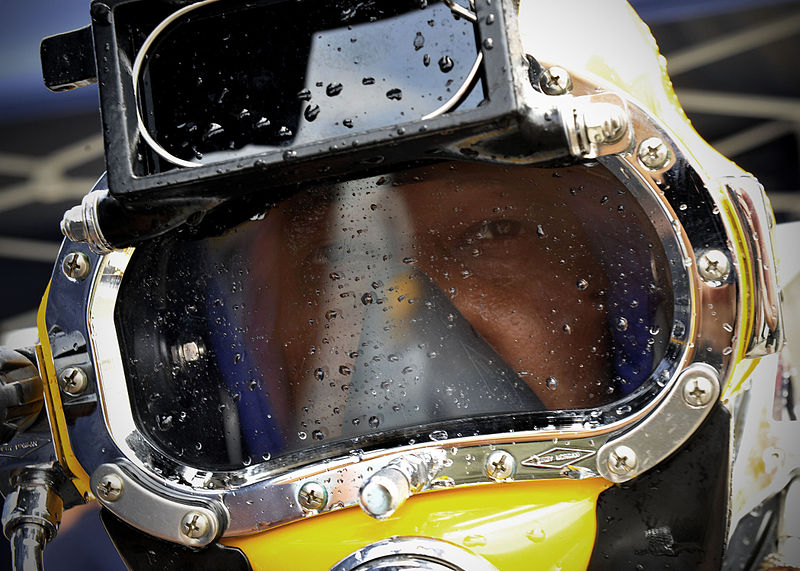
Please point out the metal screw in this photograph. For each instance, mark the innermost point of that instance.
(605, 123)
(73, 380)
(312, 496)
(713, 266)
(76, 266)
(110, 487)
(654, 153)
(697, 391)
(555, 81)
(195, 525)
(622, 460)
(500, 465)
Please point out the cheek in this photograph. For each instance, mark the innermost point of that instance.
(540, 314)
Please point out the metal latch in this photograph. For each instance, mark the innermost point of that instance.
(68, 60)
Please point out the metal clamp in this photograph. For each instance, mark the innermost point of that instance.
(597, 125)
(648, 443)
(194, 522)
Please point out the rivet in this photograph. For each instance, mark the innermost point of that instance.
(312, 496)
(555, 81)
(195, 525)
(76, 266)
(654, 153)
(73, 380)
(713, 266)
(622, 460)
(697, 391)
(109, 488)
(500, 465)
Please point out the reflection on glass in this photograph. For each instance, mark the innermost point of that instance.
(447, 292)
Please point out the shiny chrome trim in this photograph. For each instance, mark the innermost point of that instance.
(156, 514)
(752, 208)
(424, 553)
(664, 431)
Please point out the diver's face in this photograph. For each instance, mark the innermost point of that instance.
(504, 246)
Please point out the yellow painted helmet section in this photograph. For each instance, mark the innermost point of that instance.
(55, 410)
(542, 525)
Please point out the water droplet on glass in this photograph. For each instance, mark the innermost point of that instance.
(426, 60)
(624, 409)
(344, 370)
(582, 284)
(567, 329)
(333, 89)
(213, 130)
(288, 155)
(317, 435)
(331, 314)
(438, 435)
(727, 350)
(302, 435)
(727, 327)
(304, 95)
(678, 329)
(540, 231)
(319, 374)
(488, 43)
(374, 421)
(285, 131)
(419, 41)
(622, 324)
(551, 383)
(446, 64)
(311, 112)
(368, 81)
(682, 207)
(655, 330)
(348, 123)
(395, 94)
(366, 299)
(490, 19)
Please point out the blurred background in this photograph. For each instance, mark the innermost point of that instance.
(733, 63)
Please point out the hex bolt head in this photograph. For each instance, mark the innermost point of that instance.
(713, 266)
(555, 81)
(312, 496)
(622, 460)
(110, 487)
(654, 153)
(195, 525)
(73, 380)
(697, 391)
(76, 266)
(500, 465)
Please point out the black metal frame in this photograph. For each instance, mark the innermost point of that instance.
(503, 67)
